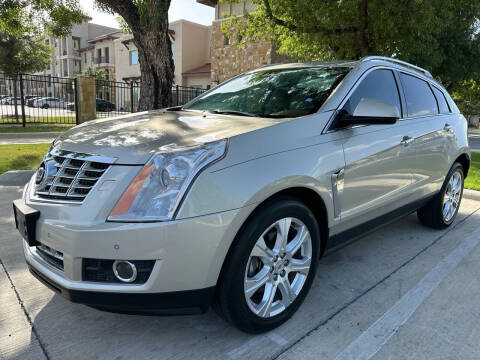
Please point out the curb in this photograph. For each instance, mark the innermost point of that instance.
(471, 194)
(16, 177)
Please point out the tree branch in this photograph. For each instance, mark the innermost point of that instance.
(125, 8)
(314, 30)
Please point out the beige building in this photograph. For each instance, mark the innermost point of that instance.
(191, 55)
(67, 58)
(227, 59)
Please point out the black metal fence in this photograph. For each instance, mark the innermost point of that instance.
(43, 99)
(26, 98)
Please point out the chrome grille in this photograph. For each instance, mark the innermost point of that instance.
(69, 176)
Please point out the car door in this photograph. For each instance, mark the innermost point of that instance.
(428, 116)
(375, 176)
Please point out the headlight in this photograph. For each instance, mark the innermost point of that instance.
(158, 189)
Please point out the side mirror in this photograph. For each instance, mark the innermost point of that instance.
(370, 112)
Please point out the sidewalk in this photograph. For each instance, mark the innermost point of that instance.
(27, 138)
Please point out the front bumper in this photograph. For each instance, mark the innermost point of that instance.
(188, 255)
(179, 302)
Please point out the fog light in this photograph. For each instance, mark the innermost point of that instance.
(125, 271)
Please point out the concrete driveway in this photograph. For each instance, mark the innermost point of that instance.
(401, 292)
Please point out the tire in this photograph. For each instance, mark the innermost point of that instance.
(433, 214)
(239, 267)
(46, 106)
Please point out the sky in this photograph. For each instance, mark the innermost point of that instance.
(179, 9)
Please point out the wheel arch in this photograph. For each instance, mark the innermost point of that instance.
(306, 195)
(464, 159)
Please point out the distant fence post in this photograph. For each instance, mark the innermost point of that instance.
(86, 103)
(75, 100)
(131, 97)
(22, 100)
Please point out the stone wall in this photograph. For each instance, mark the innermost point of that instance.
(230, 60)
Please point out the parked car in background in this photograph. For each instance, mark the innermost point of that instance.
(11, 101)
(50, 102)
(26, 98)
(31, 101)
(232, 198)
(4, 100)
(104, 105)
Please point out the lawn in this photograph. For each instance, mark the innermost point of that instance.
(21, 157)
(473, 179)
(33, 128)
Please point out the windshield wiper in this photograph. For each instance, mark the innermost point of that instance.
(233, 112)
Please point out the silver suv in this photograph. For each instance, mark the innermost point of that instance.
(232, 199)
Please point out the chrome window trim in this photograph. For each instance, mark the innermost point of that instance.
(327, 128)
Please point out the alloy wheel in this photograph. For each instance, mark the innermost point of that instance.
(452, 196)
(278, 267)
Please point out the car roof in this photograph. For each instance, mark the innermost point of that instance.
(369, 60)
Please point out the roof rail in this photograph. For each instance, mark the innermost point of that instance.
(399, 62)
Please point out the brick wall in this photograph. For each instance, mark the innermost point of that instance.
(230, 60)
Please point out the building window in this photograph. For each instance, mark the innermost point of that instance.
(226, 40)
(85, 58)
(107, 55)
(134, 57)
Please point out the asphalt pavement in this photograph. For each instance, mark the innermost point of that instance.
(401, 292)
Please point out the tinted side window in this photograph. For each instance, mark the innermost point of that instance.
(442, 102)
(378, 85)
(419, 96)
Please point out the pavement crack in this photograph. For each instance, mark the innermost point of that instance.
(351, 302)
(27, 315)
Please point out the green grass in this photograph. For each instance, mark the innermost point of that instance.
(473, 179)
(35, 120)
(21, 157)
(34, 128)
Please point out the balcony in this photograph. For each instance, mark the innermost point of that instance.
(101, 60)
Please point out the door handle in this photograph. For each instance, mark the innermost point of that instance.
(448, 128)
(406, 140)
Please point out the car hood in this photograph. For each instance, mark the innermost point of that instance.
(133, 138)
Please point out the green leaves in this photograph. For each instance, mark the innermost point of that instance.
(440, 35)
(23, 53)
(53, 16)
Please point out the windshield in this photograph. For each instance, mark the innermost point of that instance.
(272, 93)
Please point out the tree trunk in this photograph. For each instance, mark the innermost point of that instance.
(362, 36)
(156, 66)
(148, 21)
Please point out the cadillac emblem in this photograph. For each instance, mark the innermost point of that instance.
(40, 177)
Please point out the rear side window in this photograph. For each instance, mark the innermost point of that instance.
(378, 85)
(442, 102)
(419, 96)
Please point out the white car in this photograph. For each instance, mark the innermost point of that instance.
(50, 102)
(232, 198)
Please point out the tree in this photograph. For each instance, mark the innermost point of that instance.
(100, 76)
(22, 53)
(148, 23)
(56, 17)
(440, 35)
(467, 97)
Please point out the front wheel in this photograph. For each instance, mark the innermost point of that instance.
(442, 210)
(271, 266)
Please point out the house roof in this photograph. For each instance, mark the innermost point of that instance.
(113, 35)
(86, 48)
(203, 70)
(211, 3)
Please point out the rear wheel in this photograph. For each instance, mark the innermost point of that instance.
(442, 210)
(270, 267)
